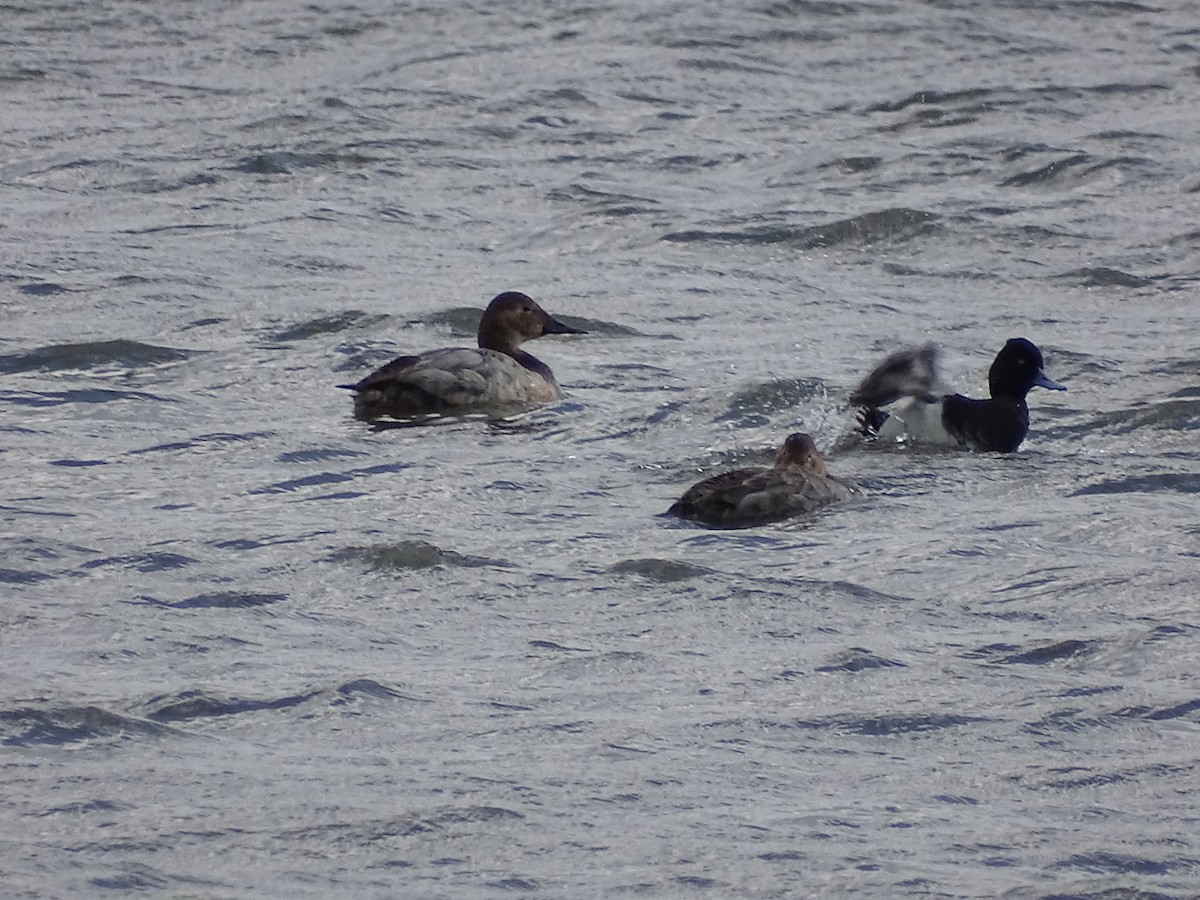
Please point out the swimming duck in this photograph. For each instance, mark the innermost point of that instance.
(998, 424)
(798, 483)
(496, 377)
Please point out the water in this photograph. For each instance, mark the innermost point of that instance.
(251, 647)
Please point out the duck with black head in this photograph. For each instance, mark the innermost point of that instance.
(998, 423)
(498, 377)
(798, 483)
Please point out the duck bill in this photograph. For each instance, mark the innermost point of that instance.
(552, 326)
(1044, 380)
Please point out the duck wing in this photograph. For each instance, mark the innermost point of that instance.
(717, 499)
(453, 380)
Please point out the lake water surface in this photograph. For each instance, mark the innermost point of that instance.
(251, 647)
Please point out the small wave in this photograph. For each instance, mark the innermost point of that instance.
(410, 555)
(883, 726)
(187, 705)
(1103, 276)
(858, 659)
(92, 355)
(1041, 656)
(22, 576)
(351, 319)
(889, 225)
(42, 289)
(218, 600)
(1176, 415)
(930, 97)
(1108, 863)
(371, 689)
(1180, 482)
(329, 478)
(285, 162)
(751, 406)
(142, 562)
(46, 399)
(33, 726)
(203, 440)
(662, 570)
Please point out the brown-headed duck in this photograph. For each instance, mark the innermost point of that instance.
(798, 483)
(498, 377)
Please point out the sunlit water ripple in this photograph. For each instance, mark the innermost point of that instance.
(470, 658)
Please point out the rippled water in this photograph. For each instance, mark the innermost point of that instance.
(252, 647)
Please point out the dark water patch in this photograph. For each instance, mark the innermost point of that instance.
(1048, 173)
(410, 555)
(1179, 482)
(1118, 893)
(84, 807)
(664, 571)
(130, 877)
(460, 320)
(524, 885)
(41, 550)
(324, 478)
(360, 834)
(319, 264)
(217, 439)
(318, 455)
(218, 600)
(9, 77)
(46, 399)
(142, 562)
(854, 165)
(813, 8)
(1091, 690)
(1040, 656)
(1089, 781)
(1176, 415)
(1187, 709)
(557, 648)
(331, 324)
(1071, 720)
(597, 199)
(286, 162)
(884, 726)
(889, 225)
(858, 659)
(19, 511)
(369, 689)
(92, 355)
(77, 463)
(21, 576)
(931, 97)
(1188, 366)
(1107, 863)
(751, 406)
(42, 289)
(204, 323)
(195, 704)
(31, 726)
(1102, 276)
(270, 540)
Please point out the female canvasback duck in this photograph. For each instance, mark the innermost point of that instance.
(799, 483)
(998, 424)
(496, 377)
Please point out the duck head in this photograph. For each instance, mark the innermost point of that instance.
(799, 451)
(513, 318)
(1018, 367)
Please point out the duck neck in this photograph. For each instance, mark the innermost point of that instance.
(531, 362)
